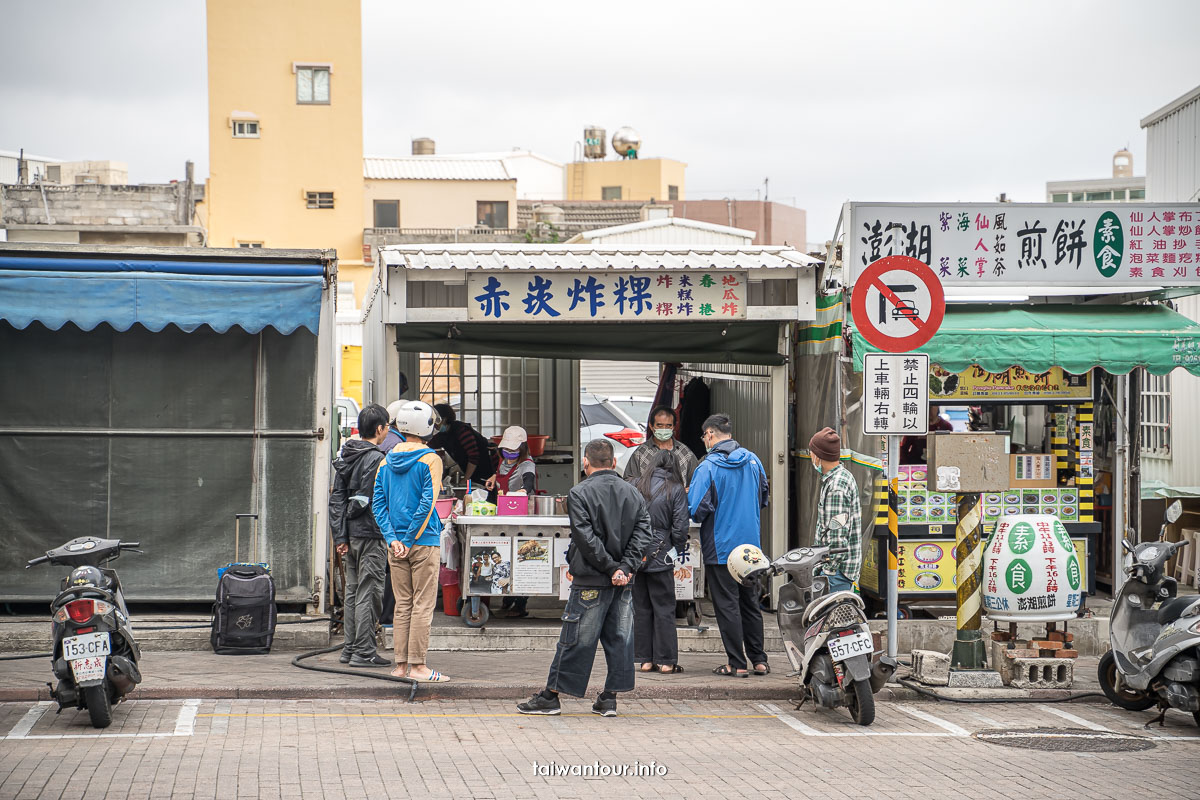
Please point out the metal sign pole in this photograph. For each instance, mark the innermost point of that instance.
(893, 581)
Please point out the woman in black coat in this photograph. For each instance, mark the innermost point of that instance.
(654, 640)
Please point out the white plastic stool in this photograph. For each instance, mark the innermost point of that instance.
(1187, 560)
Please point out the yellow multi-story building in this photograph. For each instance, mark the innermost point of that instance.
(637, 179)
(285, 128)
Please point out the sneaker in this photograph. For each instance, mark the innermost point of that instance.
(540, 704)
(605, 705)
(374, 661)
(345, 657)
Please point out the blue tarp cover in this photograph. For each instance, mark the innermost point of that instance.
(154, 294)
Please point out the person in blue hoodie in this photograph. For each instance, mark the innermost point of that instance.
(406, 488)
(727, 493)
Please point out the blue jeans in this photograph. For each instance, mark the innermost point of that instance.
(840, 583)
(594, 614)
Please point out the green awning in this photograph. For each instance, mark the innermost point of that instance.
(1075, 338)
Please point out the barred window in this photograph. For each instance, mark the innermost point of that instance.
(1156, 415)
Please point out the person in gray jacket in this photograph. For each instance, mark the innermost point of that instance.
(357, 538)
(655, 643)
(610, 534)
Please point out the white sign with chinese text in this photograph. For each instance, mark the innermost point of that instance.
(895, 394)
(581, 295)
(1063, 244)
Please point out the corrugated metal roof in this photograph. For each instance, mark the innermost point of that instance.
(571, 257)
(434, 168)
(1171, 107)
(666, 222)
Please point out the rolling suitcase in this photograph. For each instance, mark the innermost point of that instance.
(244, 613)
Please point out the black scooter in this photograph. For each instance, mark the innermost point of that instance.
(95, 656)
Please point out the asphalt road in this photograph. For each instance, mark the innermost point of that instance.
(484, 749)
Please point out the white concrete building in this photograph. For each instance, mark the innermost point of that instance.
(1171, 403)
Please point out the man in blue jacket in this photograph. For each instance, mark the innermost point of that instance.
(728, 491)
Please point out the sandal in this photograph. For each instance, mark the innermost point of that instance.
(725, 670)
(669, 669)
(646, 666)
(766, 669)
(433, 677)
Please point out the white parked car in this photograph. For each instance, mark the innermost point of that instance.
(599, 417)
(636, 408)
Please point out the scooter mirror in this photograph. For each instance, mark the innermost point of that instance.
(1174, 512)
(1128, 545)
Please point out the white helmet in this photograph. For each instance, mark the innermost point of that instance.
(747, 564)
(417, 418)
(392, 408)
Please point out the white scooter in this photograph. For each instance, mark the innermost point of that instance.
(1155, 656)
(826, 636)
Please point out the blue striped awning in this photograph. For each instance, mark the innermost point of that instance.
(123, 292)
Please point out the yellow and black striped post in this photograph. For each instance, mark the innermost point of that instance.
(893, 560)
(968, 555)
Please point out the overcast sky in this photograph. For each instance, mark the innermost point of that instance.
(886, 101)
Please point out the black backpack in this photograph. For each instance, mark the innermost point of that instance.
(243, 620)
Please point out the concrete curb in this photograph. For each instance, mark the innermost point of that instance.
(387, 690)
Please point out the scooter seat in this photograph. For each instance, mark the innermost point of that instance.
(1172, 609)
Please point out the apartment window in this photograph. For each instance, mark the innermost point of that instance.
(1137, 194)
(1094, 196)
(245, 129)
(54, 173)
(1059, 198)
(672, 192)
(387, 213)
(1119, 195)
(491, 214)
(1076, 197)
(610, 193)
(319, 199)
(1156, 415)
(312, 85)
(250, 244)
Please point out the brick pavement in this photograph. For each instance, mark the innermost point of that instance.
(457, 749)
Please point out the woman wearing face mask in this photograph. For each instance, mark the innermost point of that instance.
(514, 472)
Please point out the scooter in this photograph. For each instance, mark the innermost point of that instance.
(826, 636)
(1155, 656)
(95, 656)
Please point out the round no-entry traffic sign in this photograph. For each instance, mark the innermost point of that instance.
(898, 304)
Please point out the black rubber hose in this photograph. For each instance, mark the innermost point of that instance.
(412, 693)
(26, 655)
(906, 682)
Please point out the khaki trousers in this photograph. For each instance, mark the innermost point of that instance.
(415, 584)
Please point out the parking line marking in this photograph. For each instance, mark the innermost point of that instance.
(797, 725)
(789, 720)
(501, 715)
(185, 723)
(1069, 717)
(25, 724)
(941, 723)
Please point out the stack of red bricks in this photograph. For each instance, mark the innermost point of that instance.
(1057, 644)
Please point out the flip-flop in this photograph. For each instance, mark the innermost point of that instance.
(730, 673)
(433, 677)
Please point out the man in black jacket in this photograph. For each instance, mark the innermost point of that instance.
(610, 531)
(357, 538)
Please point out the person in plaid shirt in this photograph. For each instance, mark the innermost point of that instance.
(839, 512)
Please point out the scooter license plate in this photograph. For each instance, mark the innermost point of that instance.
(89, 669)
(88, 645)
(856, 644)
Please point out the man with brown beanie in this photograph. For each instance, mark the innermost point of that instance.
(839, 512)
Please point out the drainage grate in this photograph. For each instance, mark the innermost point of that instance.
(1074, 740)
